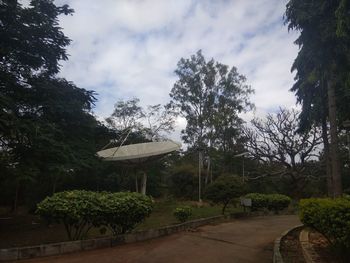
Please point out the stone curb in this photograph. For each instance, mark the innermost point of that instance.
(308, 251)
(18, 253)
(277, 257)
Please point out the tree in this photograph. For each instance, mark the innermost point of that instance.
(275, 141)
(224, 189)
(46, 128)
(153, 122)
(160, 120)
(183, 182)
(209, 96)
(322, 67)
(126, 114)
(129, 119)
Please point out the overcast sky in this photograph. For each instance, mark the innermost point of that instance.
(124, 49)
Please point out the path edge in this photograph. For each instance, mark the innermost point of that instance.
(308, 250)
(277, 256)
(17, 253)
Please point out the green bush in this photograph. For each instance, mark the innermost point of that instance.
(330, 217)
(224, 190)
(259, 201)
(122, 211)
(183, 181)
(183, 213)
(81, 210)
(272, 202)
(277, 202)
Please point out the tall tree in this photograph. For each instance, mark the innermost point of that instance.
(160, 120)
(209, 95)
(322, 67)
(126, 114)
(275, 141)
(153, 122)
(46, 126)
(135, 124)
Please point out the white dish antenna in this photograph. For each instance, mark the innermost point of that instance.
(140, 152)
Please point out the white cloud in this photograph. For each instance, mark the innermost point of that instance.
(123, 49)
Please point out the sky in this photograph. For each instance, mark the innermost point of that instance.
(130, 48)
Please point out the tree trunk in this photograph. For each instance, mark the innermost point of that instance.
(327, 156)
(144, 183)
(199, 176)
(224, 208)
(207, 172)
(332, 108)
(15, 202)
(136, 183)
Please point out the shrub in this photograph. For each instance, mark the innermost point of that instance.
(81, 210)
(275, 202)
(183, 213)
(183, 182)
(224, 189)
(121, 212)
(259, 201)
(75, 209)
(330, 217)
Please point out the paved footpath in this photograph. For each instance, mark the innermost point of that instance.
(243, 240)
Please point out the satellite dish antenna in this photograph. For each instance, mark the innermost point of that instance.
(139, 154)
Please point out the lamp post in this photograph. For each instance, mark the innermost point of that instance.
(242, 155)
(200, 163)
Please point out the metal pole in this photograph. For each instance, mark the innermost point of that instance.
(241, 155)
(199, 176)
(243, 166)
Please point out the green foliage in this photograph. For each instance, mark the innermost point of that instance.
(77, 210)
(224, 189)
(183, 181)
(330, 217)
(323, 57)
(322, 71)
(183, 213)
(277, 202)
(121, 212)
(210, 96)
(47, 130)
(272, 202)
(81, 210)
(259, 201)
(129, 114)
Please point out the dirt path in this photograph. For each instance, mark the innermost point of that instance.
(244, 240)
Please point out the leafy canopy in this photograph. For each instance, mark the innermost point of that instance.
(224, 189)
(209, 95)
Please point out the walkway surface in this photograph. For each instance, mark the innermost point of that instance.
(243, 240)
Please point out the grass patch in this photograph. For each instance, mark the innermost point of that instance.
(28, 230)
(162, 214)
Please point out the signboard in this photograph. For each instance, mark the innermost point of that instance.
(246, 202)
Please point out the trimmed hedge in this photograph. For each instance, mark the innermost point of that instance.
(259, 201)
(81, 210)
(272, 202)
(183, 213)
(122, 211)
(330, 217)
